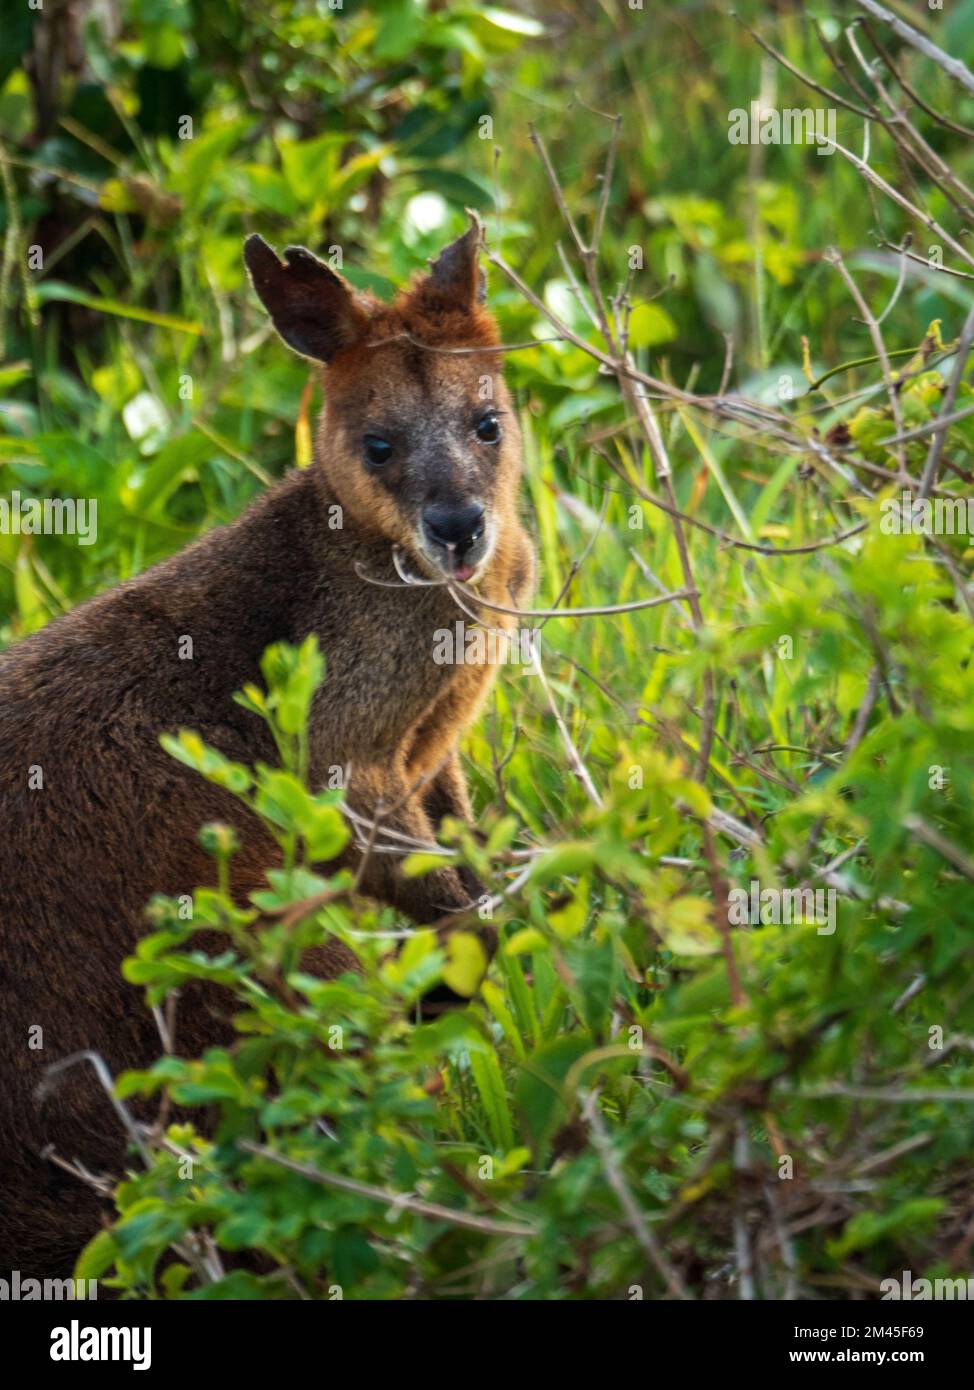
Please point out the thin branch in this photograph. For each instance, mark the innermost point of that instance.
(834, 256)
(953, 67)
(455, 586)
(933, 839)
(950, 396)
(574, 756)
(802, 76)
(891, 1095)
(911, 92)
(942, 422)
(895, 196)
(399, 1201)
(723, 536)
(634, 1217)
(922, 260)
(106, 1081)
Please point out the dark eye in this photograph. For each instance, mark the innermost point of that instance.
(489, 429)
(377, 450)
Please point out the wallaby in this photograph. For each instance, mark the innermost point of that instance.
(418, 449)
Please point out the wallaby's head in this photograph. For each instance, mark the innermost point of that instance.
(418, 441)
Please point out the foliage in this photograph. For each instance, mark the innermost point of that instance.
(638, 1085)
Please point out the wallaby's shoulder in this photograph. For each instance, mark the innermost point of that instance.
(214, 570)
(174, 642)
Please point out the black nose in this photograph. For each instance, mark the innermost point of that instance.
(454, 526)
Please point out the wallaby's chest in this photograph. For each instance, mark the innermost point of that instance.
(405, 672)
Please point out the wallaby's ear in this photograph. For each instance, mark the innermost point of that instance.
(455, 279)
(314, 310)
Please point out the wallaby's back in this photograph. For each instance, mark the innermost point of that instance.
(96, 817)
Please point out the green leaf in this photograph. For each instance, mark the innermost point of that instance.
(555, 865)
(173, 1279)
(594, 967)
(538, 1091)
(650, 325)
(466, 963)
(493, 997)
(686, 926)
(422, 862)
(308, 164)
(176, 459)
(195, 176)
(245, 1229)
(521, 998)
(49, 290)
(187, 747)
(466, 190)
(97, 1256)
(867, 1228)
(489, 1080)
(526, 940)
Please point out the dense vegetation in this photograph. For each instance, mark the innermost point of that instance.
(645, 1097)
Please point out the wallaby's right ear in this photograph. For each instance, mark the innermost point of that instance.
(314, 310)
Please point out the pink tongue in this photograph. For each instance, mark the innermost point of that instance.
(463, 573)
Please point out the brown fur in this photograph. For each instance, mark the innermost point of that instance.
(86, 699)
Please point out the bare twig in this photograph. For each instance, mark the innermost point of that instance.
(952, 66)
(574, 756)
(933, 839)
(105, 1080)
(398, 1201)
(900, 199)
(929, 477)
(834, 256)
(634, 1217)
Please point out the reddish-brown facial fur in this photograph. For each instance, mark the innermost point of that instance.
(421, 376)
(86, 699)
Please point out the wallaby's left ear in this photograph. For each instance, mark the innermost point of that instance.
(455, 279)
(315, 311)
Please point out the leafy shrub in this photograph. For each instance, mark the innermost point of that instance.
(529, 1144)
